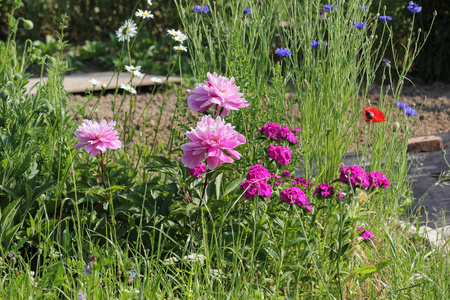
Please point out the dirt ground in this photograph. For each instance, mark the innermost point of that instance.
(433, 118)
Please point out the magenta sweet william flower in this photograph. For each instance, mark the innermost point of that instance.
(280, 153)
(324, 190)
(198, 171)
(208, 141)
(277, 132)
(353, 176)
(302, 182)
(97, 137)
(257, 182)
(366, 235)
(377, 179)
(218, 92)
(295, 195)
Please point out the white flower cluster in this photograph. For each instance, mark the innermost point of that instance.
(128, 88)
(195, 258)
(178, 36)
(136, 71)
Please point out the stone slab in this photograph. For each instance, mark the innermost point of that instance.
(429, 143)
(78, 83)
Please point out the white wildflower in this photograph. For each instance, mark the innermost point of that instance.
(180, 48)
(174, 33)
(171, 261)
(144, 14)
(180, 38)
(127, 30)
(156, 79)
(132, 68)
(138, 74)
(149, 2)
(128, 88)
(217, 273)
(94, 82)
(195, 258)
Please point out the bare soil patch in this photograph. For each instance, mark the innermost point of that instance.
(433, 118)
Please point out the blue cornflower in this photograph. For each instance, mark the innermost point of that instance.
(365, 7)
(247, 11)
(386, 62)
(409, 111)
(87, 270)
(414, 7)
(385, 18)
(359, 25)
(315, 44)
(328, 7)
(402, 105)
(283, 52)
(201, 9)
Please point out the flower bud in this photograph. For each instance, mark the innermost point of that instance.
(27, 24)
(434, 13)
(395, 126)
(4, 95)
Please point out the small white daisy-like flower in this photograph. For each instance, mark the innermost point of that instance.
(144, 14)
(156, 79)
(138, 74)
(180, 48)
(94, 82)
(103, 85)
(149, 2)
(180, 38)
(174, 32)
(132, 68)
(127, 30)
(128, 88)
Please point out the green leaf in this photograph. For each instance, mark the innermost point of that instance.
(218, 185)
(232, 186)
(365, 270)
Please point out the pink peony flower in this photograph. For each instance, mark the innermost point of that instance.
(324, 190)
(198, 171)
(97, 137)
(217, 92)
(208, 141)
(279, 153)
(295, 195)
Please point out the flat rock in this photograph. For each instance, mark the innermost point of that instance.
(429, 143)
(78, 83)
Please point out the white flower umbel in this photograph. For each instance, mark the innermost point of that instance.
(127, 30)
(144, 14)
(180, 48)
(195, 258)
(156, 79)
(94, 82)
(128, 88)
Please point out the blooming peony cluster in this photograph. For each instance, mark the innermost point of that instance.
(324, 190)
(366, 234)
(295, 195)
(279, 153)
(208, 141)
(353, 176)
(96, 138)
(257, 183)
(377, 179)
(198, 171)
(218, 92)
(278, 132)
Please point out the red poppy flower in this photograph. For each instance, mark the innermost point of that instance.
(373, 114)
